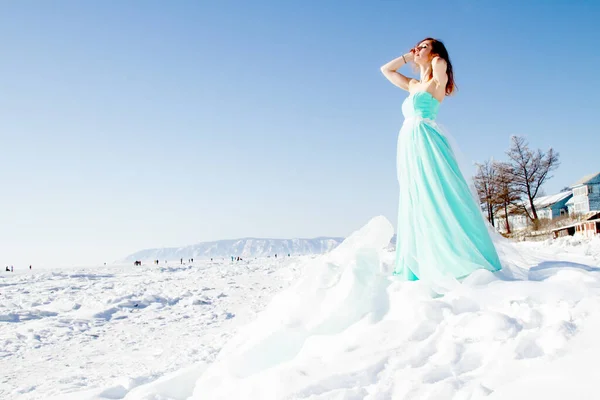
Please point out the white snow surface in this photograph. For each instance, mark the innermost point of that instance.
(334, 326)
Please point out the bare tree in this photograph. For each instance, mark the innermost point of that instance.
(529, 171)
(484, 181)
(506, 193)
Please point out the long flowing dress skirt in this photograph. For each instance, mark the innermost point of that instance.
(441, 229)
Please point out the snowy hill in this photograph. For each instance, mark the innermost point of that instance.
(246, 247)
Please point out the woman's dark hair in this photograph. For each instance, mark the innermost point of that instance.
(438, 49)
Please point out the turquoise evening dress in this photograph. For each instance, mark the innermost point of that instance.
(441, 229)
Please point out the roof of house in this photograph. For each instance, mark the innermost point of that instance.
(585, 179)
(591, 215)
(546, 201)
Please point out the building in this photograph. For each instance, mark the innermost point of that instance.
(546, 207)
(588, 227)
(586, 195)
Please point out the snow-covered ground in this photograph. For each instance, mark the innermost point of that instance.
(76, 329)
(336, 326)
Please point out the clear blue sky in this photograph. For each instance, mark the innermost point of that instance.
(133, 124)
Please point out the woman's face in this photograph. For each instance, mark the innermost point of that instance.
(423, 52)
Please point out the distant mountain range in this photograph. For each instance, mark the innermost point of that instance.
(246, 247)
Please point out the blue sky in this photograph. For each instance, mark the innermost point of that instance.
(138, 124)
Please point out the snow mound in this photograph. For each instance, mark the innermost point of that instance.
(348, 330)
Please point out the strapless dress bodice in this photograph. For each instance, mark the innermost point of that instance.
(420, 105)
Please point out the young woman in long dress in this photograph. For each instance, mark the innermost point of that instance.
(441, 229)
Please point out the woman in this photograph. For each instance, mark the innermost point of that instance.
(441, 230)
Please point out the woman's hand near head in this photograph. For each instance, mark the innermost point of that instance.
(389, 71)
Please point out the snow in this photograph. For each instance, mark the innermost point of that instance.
(335, 326)
(73, 329)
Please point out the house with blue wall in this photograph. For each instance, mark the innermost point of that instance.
(546, 207)
(586, 195)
